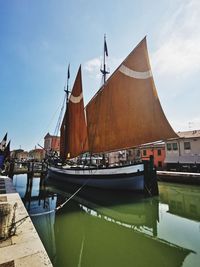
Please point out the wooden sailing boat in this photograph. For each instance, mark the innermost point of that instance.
(124, 113)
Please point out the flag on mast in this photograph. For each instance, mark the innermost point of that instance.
(68, 72)
(3, 142)
(105, 48)
(7, 151)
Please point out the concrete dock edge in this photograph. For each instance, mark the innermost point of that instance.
(24, 248)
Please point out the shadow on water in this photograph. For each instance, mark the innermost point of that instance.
(104, 228)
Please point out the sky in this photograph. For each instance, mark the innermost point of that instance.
(38, 39)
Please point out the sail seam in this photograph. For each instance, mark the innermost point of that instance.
(135, 74)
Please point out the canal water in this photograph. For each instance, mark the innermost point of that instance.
(103, 228)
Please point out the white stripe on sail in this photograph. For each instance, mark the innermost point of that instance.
(135, 74)
(76, 99)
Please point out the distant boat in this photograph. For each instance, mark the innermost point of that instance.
(123, 114)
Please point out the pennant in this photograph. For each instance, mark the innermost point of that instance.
(3, 143)
(105, 48)
(7, 151)
(68, 72)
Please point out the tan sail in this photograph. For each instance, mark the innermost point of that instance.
(126, 111)
(73, 130)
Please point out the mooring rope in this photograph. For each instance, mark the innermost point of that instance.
(13, 226)
(150, 194)
(60, 206)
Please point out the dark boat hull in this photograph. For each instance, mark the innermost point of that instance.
(118, 178)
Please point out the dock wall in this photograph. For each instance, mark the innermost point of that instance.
(24, 247)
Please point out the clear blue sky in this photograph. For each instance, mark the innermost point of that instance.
(39, 38)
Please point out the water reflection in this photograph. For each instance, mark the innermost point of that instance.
(182, 200)
(101, 234)
(37, 200)
(103, 228)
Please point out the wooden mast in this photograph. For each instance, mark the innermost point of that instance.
(67, 91)
(63, 141)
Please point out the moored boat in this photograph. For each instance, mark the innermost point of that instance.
(124, 113)
(120, 177)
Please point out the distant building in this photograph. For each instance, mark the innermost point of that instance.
(156, 149)
(37, 154)
(23, 156)
(142, 152)
(52, 143)
(117, 157)
(19, 154)
(183, 152)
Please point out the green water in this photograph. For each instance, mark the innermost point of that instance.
(100, 228)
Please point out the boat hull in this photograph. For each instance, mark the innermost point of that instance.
(118, 178)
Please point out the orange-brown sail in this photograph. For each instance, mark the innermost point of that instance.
(73, 130)
(126, 111)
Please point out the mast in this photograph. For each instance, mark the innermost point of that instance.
(104, 71)
(63, 129)
(67, 90)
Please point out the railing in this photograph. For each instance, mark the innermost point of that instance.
(28, 167)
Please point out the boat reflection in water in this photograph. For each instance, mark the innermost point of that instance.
(106, 228)
(109, 229)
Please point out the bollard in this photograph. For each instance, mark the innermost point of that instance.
(6, 215)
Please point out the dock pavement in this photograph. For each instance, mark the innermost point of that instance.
(23, 247)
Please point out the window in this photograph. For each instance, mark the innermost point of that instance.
(138, 153)
(175, 146)
(187, 146)
(159, 152)
(144, 152)
(159, 164)
(169, 147)
(129, 152)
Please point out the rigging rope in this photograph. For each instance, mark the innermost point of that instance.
(13, 226)
(41, 139)
(60, 118)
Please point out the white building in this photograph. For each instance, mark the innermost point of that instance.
(183, 152)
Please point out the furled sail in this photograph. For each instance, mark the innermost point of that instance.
(126, 111)
(73, 129)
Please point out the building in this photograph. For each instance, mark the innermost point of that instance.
(142, 152)
(156, 149)
(183, 152)
(52, 143)
(117, 157)
(20, 155)
(37, 154)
